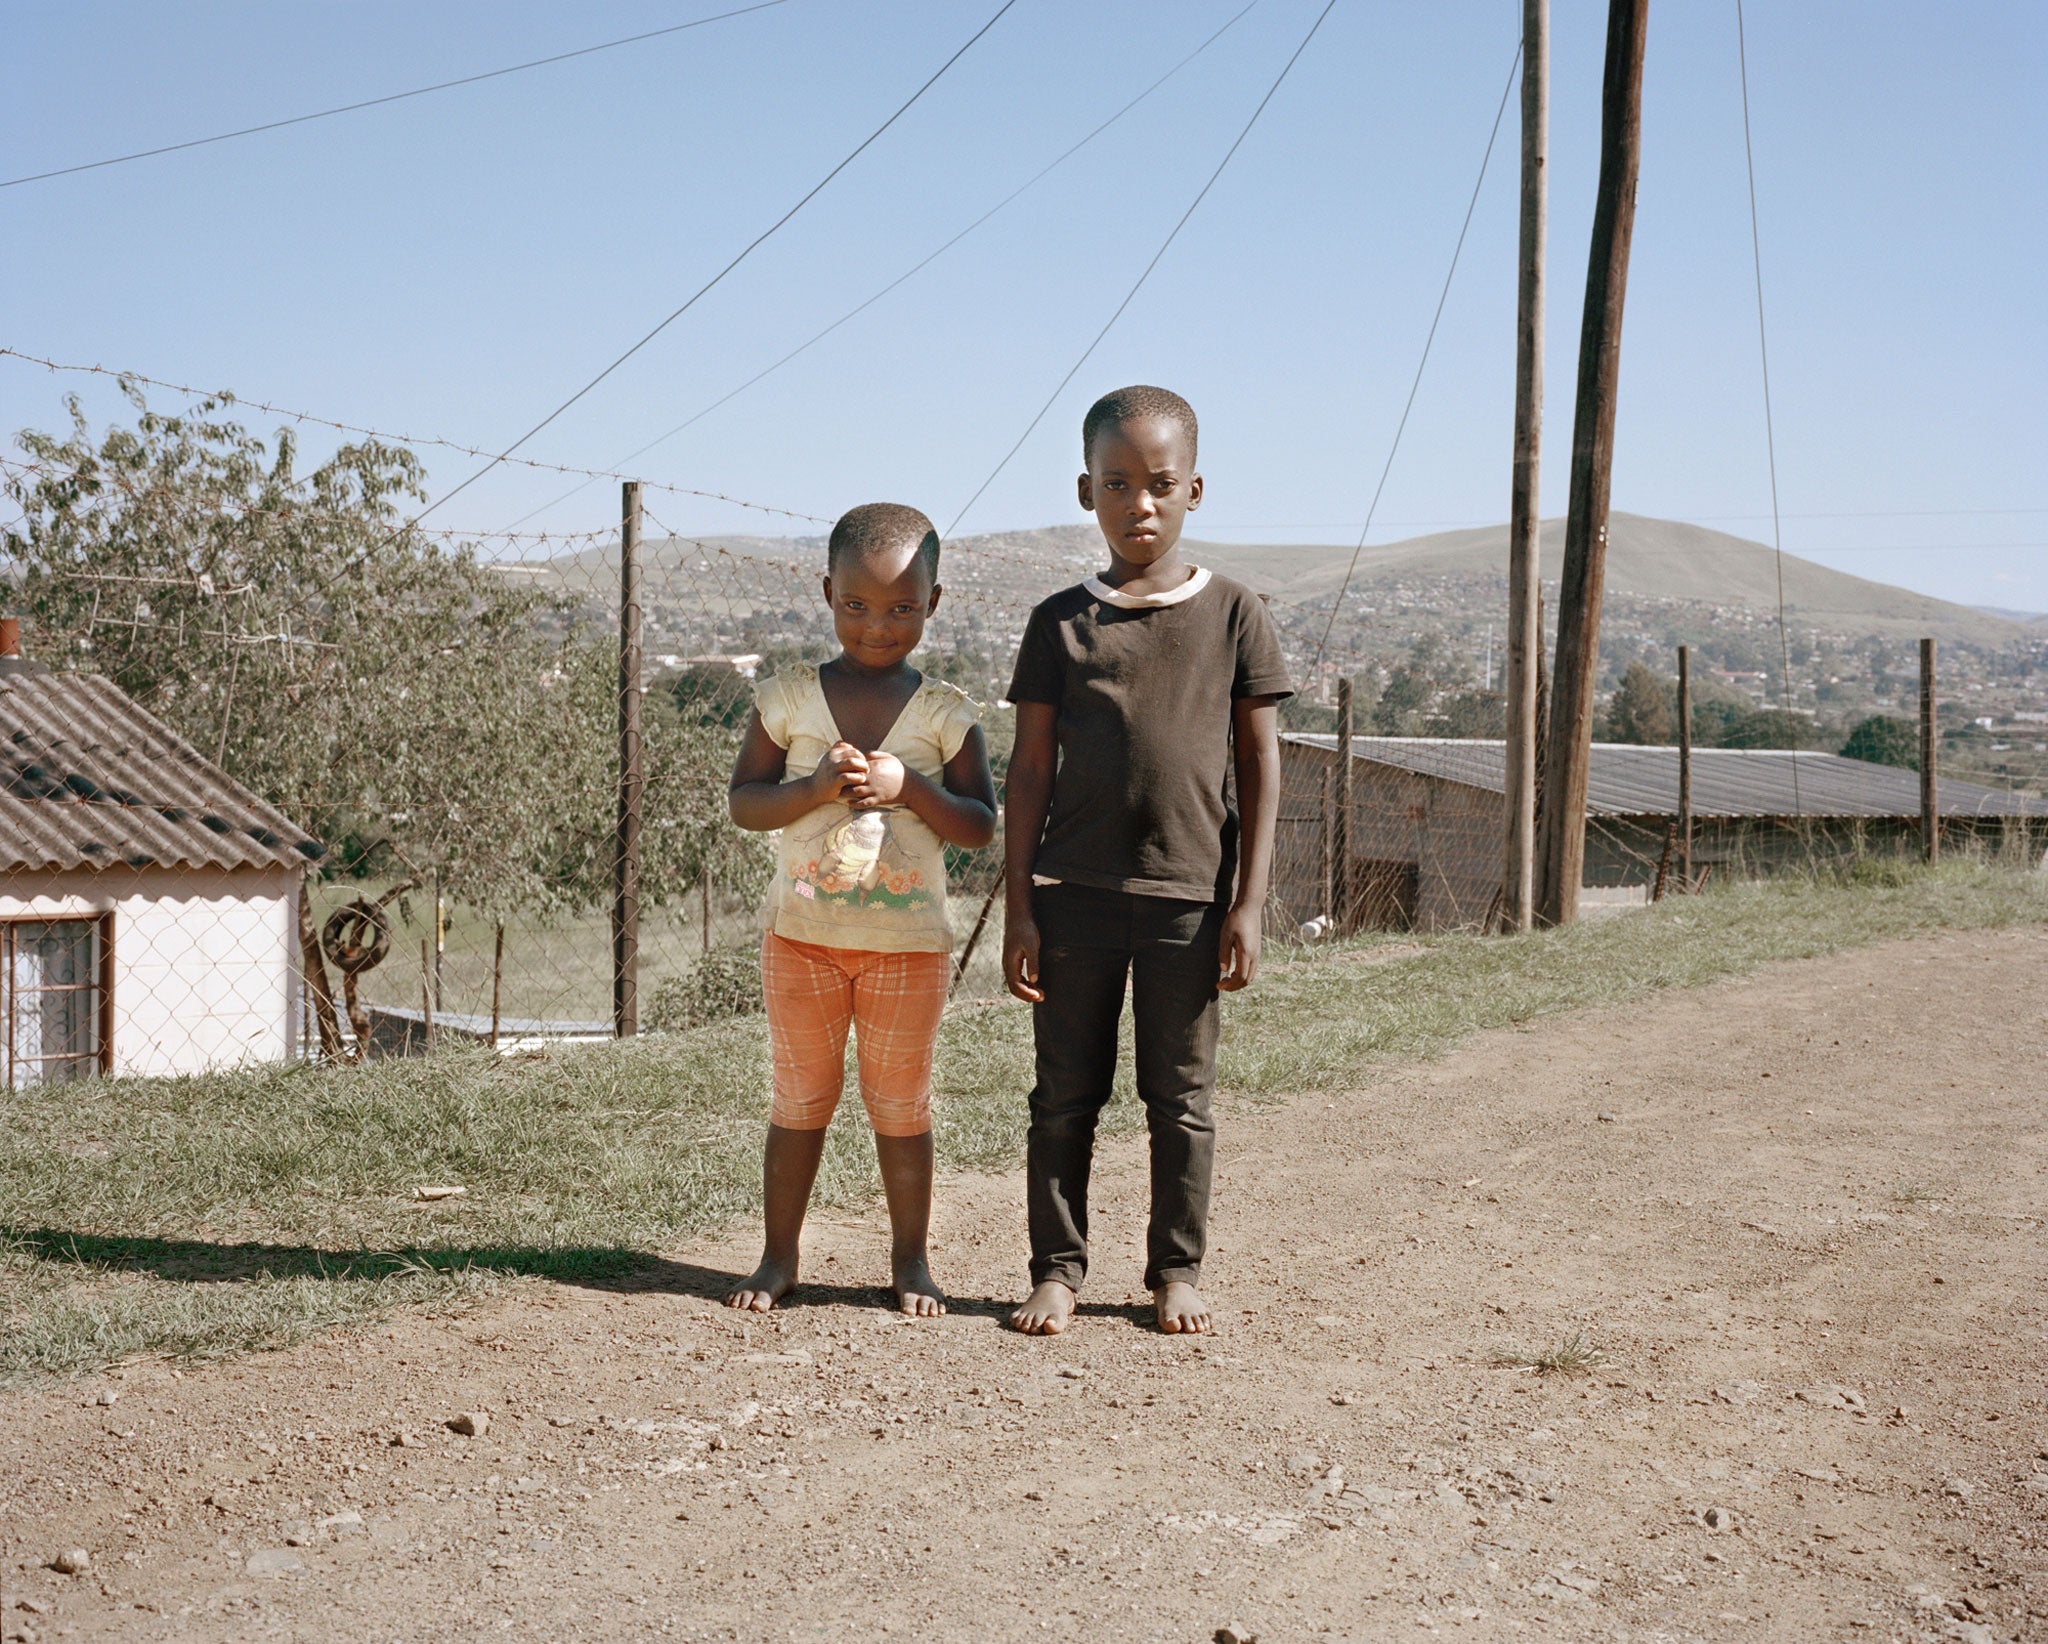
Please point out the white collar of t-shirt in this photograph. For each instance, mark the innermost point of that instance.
(1145, 602)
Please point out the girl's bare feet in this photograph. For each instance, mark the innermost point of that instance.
(1047, 1311)
(1182, 1312)
(916, 1294)
(761, 1289)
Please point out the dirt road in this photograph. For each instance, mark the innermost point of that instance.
(1800, 1216)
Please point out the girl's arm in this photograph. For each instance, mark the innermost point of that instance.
(1027, 796)
(1255, 748)
(760, 801)
(960, 809)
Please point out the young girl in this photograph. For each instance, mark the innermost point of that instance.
(869, 770)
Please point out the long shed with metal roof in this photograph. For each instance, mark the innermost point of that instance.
(1427, 821)
(148, 901)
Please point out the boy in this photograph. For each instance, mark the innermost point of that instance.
(867, 770)
(1139, 695)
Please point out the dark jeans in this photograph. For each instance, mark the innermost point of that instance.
(1088, 941)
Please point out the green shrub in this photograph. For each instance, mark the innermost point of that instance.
(719, 985)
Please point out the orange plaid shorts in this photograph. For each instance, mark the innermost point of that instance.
(892, 1000)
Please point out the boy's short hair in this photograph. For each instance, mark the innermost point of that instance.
(1138, 403)
(875, 527)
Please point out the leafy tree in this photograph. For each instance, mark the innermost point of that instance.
(372, 684)
(1470, 714)
(1644, 708)
(1884, 739)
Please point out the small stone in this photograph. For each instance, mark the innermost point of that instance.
(470, 1424)
(1071, 1374)
(272, 1561)
(1961, 1488)
(31, 1606)
(1975, 1605)
(1236, 1633)
(107, 1397)
(1609, 1118)
(561, 1421)
(72, 1561)
(1717, 1518)
(430, 1194)
(223, 1498)
(1302, 1464)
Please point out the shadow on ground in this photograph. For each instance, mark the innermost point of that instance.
(617, 1269)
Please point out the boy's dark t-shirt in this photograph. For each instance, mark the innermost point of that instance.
(1144, 690)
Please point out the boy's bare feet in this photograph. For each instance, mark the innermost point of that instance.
(1047, 1311)
(916, 1293)
(761, 1289)
(1182, 1312)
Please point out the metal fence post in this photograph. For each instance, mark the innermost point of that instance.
(1340, 830)
(626, 853)
(1685, 767)
(1930, 809)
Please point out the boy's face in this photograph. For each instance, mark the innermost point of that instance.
(1140, 484)
(879, 604)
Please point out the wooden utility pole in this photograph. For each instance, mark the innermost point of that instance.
(1685, 766)
(1525, 498)
(626, 853)
(1930, 808)
(1561, 847)
(1340, 820)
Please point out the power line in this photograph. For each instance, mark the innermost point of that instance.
(378, 102)
(915, 269)
(1074, 370)
(745, 252)
(383, 434)
(1422, 364)
(1764, 358)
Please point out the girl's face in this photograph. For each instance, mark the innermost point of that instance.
(879, 606)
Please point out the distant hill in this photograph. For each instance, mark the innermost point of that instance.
(1646, 559)
(1649, 558)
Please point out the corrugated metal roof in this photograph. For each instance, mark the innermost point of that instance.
(89, 780)
(1627, 780)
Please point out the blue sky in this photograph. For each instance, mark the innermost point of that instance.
(458, 264)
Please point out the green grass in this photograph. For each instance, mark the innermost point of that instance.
(213, 1214)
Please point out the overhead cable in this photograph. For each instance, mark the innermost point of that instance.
(378, 102)
(745, 252)
(1764, 359)
(1422, 364)
(1130, 295)
(915, 269)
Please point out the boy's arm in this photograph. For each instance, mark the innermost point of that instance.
(760, 801)
(1027, 796)
(960, 809)
(1255, 748)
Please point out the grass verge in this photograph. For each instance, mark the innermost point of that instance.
(210, 1215)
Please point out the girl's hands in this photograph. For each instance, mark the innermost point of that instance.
(881, 782)
(843, 768)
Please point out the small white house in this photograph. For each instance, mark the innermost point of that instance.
(148, 902)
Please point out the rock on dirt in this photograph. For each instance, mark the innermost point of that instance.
(72, 1561)
(1236, 1633)
(470, 1424)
